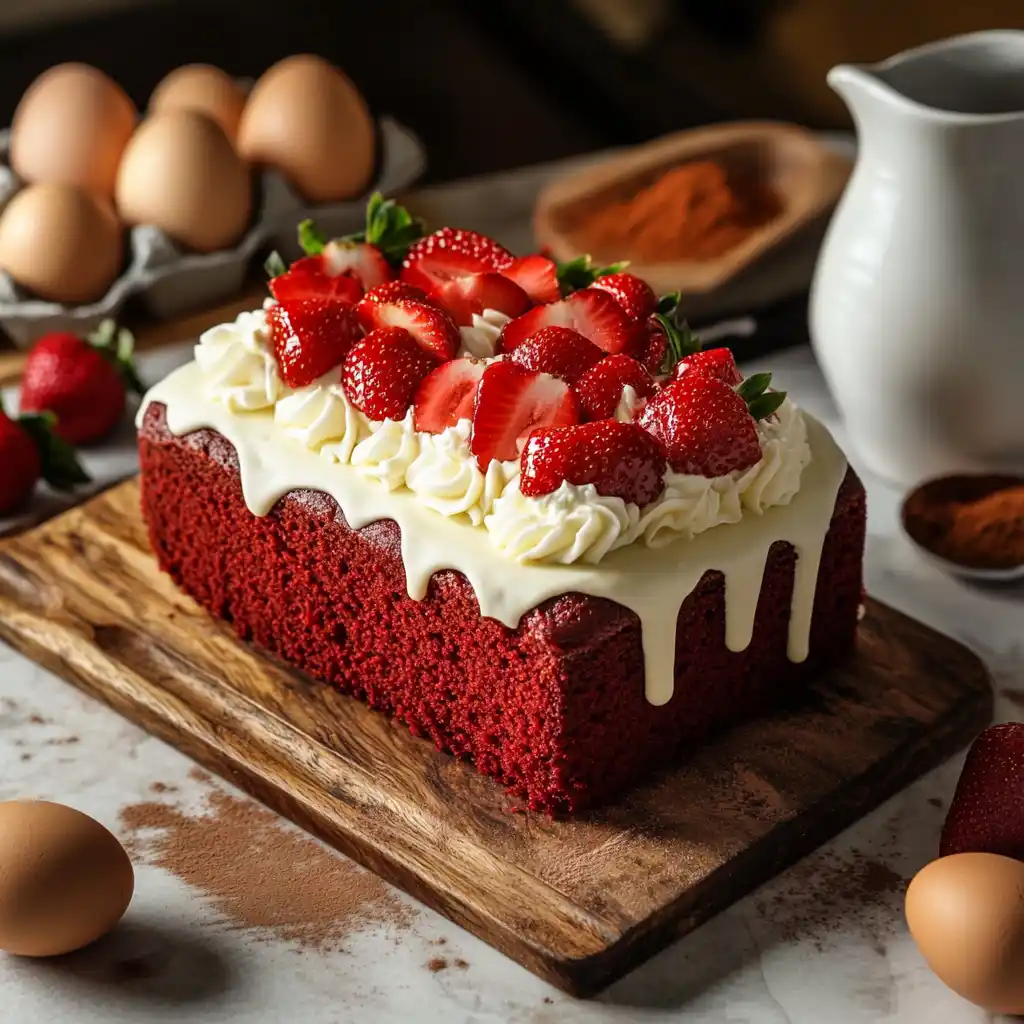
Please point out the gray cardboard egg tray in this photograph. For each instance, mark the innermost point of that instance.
(171, 282)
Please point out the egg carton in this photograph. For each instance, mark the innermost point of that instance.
(170, 282)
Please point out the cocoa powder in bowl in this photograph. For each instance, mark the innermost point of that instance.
(976, 521)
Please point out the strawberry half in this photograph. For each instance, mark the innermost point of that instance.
(381, 373)
(431, 327)
(392, 290)
(464, 296)
(619, 459)
(308, 278)
(560, 351)
(310, 337)
(462, 250)
(599, 390)
(633, 294)
(987, 812)
(537, 276)
(510, 403)
(447, 395)
(590, 312)
(703, 426)
(710, 362)
(359, 260)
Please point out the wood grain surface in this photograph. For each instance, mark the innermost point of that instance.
(578, 902)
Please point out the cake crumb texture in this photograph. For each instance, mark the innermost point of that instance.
(554, 709)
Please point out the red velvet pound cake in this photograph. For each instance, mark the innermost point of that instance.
(473, 507)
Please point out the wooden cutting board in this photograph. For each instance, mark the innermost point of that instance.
(578, 902)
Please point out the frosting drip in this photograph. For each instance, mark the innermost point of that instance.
(652, 582)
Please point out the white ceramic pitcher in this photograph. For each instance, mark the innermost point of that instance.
(917, 307)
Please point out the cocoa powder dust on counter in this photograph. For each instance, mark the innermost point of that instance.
(261, 874)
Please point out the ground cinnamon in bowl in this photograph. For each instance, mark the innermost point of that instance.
(971, 520)
(696, 211)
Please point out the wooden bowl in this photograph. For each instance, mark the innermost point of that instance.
(806, 175)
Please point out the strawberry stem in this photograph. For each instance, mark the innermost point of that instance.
(116, 345)
(61, 468)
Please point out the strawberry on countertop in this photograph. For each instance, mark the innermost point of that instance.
(706, 427)
(447, 395)
(987, 812)
(381, 373)
(341, 270)
(432, 328)
(511, 402)
(310, 337)
(619, 459)
(560, 351)
(82, 381)
(599, 390)
(590, 312)
(29, 450)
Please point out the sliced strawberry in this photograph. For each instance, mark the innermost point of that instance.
(382, 372)
(537, 276)
(511, 402)
(473, 293)
(703, 426)
(599, 390)
(431, 327)
(560, 351)
(307, 278)
(633, 294)
(391, 290)
(987, 812)
(619, 459)
(591, 312)
(364, 262)
(468, 250)
(310, 337)
(710, 362)
(447, 395)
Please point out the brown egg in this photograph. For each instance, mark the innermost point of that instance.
(61, 243)
(71, 127)
(181, 173)
(64, 879)
(966, 913)
(204, 89)
(305, 118)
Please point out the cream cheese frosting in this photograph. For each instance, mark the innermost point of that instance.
(480, 340)
(777, 501)
(238, 365)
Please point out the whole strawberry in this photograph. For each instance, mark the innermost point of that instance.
(29, 450)
(82, 381)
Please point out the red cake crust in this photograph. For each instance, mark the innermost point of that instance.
(554, 709)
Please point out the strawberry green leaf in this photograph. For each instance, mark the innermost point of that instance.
(764, 405)
(753, 386)
(274, 265)
(680, 340)
(581, 273)
(61, 468)
(116, 345)
(310, 239)
(669, 304)
(390, 227)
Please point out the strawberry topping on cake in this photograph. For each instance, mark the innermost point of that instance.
(598, 383)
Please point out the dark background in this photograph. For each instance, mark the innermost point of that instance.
(492, 84)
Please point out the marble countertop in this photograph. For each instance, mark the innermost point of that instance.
(824, 942)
